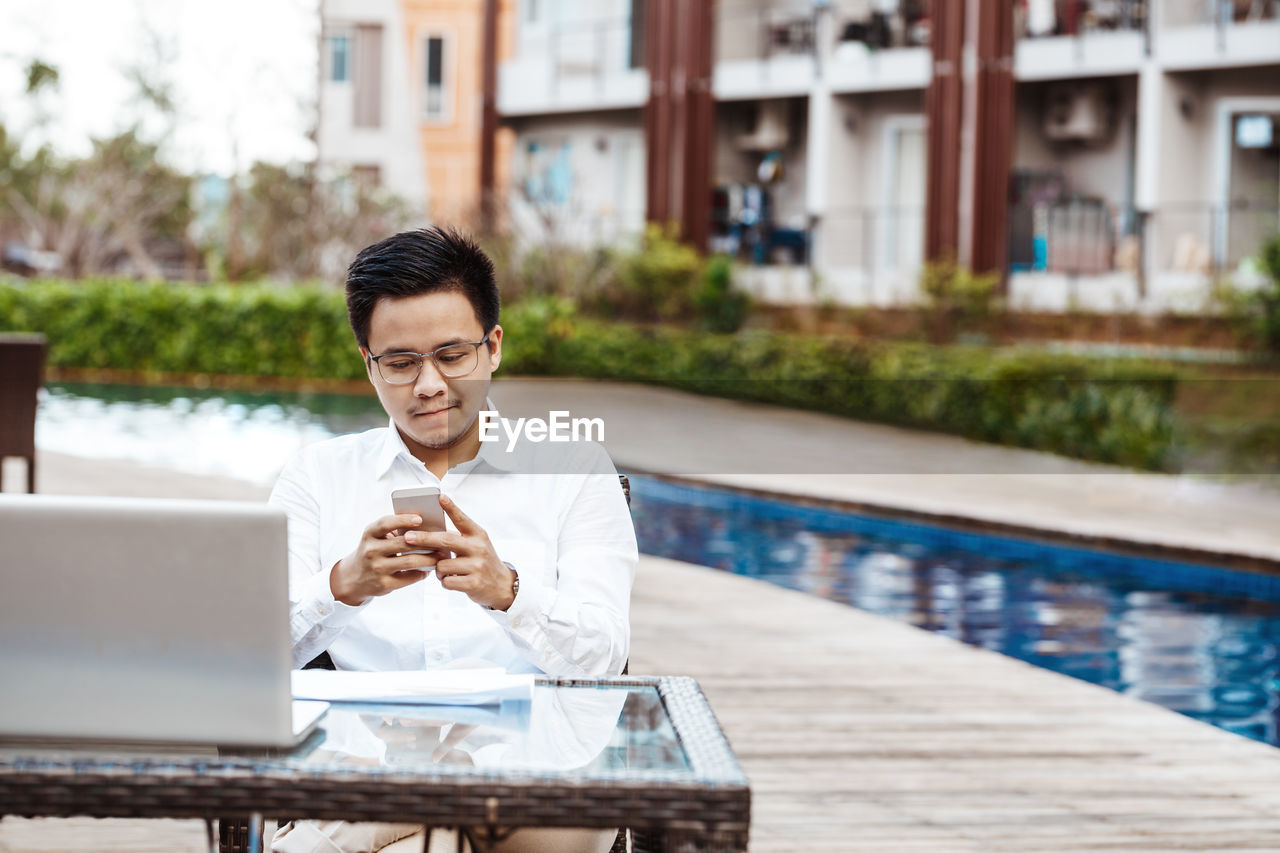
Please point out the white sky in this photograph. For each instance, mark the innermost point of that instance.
(244, 72)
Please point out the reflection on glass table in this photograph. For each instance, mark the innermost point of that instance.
(599, 731)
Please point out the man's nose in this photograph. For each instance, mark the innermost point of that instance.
(430, 381)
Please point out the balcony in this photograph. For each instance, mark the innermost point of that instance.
(764, 49)
(1201, 34)
(572, 67)
(881, 50)
(1080, 38)
(771, 48)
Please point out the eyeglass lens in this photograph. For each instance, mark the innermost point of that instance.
(402, 368)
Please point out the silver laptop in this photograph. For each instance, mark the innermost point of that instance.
(125, 619)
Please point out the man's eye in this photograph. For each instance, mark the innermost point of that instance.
(401, 364)
(450, 356)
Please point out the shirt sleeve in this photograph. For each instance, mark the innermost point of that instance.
(581, 625)
(316, 618)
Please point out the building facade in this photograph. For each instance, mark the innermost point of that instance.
(401, 98)
(1142, 136)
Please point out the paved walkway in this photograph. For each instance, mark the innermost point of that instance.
(877, 736)
(917, 473)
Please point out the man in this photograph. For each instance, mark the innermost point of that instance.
(536, 572)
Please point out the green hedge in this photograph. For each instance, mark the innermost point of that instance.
(1089, 409)
(260, 329)
(1076, 407)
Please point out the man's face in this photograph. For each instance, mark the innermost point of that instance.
(433, 413)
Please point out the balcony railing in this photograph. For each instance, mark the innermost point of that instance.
(1076, 235)
(1048, 18)
(874, 239)
(1221, 13)
(761, 30)
(585, 50)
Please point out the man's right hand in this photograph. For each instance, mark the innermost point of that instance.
(374, 568)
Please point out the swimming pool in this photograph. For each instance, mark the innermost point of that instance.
(1198, 639)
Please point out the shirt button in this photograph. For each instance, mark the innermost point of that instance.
(515, 623)
(322, 610)
(437, 655)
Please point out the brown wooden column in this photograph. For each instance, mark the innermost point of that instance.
(679, 117)
(993, 140)
(657, 112)
(968, 175)
(488, 113)
(944, 101)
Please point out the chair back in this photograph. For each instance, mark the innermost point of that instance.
(21, 367)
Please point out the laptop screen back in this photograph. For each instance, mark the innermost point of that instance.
(149, 620)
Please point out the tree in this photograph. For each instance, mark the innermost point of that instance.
(285, 221)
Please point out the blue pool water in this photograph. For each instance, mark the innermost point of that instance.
(1197, 639)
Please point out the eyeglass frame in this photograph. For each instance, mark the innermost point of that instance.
(422, 357)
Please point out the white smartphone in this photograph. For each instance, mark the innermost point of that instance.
(423, 501)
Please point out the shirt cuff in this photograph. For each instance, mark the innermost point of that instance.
(524, 615)
(317, 605)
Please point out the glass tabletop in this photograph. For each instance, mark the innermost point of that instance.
(592, 731)
(600, 731)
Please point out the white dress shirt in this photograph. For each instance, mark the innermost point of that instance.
(554, 511)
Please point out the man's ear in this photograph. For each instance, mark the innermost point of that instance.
(368, 363)
(495, 348)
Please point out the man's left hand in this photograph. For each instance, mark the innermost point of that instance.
(475, 568)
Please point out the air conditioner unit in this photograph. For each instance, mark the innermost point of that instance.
(1078, 112)
(770, 131)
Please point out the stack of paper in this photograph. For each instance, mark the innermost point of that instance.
(434, 687)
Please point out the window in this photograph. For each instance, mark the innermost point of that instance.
(340, 59)
(434, 102)
(367, 94)
(367, 176)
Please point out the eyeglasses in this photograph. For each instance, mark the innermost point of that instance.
(452, 360)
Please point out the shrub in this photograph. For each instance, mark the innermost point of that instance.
(1266, 303)
(656, 281)
(958, 298)
(260, 329)
(721, 308)
(1088, 409)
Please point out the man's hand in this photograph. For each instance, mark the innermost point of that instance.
(374, 568)
(475, 568)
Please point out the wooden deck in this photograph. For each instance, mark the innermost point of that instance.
(863, 734)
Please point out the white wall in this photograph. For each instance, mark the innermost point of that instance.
(854, 250)
(1181, 231)
(739, 25)
(580, 36)
(1099, 169)
(393, 147)
(597, 160)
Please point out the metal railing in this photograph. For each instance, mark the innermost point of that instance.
(764, 29)
(586, 50)
(873, 239)
(1221, 13)
(1045, 18)
(1087, 236)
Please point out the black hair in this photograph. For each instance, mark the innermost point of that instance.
(415, 262)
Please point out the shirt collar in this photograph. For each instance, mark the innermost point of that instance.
(393, 447)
